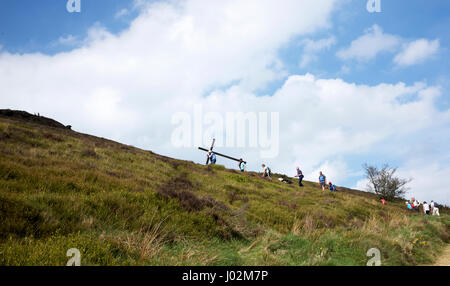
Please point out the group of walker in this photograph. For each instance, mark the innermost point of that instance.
(322, 178)
(322, 181)
(211, 158)
(412, 204)
(427, 209)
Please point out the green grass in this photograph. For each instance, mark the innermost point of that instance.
(120, 205)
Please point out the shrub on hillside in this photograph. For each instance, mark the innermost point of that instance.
(384, 183)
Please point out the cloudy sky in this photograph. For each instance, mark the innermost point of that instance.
(350, 86)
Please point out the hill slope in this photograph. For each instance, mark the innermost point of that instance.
(120, 205)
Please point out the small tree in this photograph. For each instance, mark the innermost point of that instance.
(383, 182)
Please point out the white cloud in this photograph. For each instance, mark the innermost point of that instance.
(68, 40)
(336, 169)
(138, 4)
(374, 42)
(361, 184)
(94, 34)
(344, 70)
(416, 52)
(424, 189)
(369, 45)
(319, 118)
(177, 49)
(121, 13)
(312, 47)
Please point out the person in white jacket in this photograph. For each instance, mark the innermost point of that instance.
(434, 209)
(426, 208)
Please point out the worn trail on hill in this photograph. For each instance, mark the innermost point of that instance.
(444, 259)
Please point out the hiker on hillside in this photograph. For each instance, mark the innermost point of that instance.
(383, 201)
(322, 180)
(409, 206)
(212, 157)
(300, 177)
(426, 208)
(415, 204)
(332, 187)
(434, 208)
(285, 180)
(266, 172)
(241, 165)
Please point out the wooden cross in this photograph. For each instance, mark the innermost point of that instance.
(218, 154)
(210, 150)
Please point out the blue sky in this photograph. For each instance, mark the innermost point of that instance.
(32, 26)
(35, 26)
(148, 75)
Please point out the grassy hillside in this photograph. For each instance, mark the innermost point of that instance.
(120, 205)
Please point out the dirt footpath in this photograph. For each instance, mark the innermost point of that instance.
(444, 259)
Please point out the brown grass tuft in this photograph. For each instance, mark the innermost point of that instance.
(52, 136)
(147, 241)
(180, 188)
(89, 153)
(291, 206)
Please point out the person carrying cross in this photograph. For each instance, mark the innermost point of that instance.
(241, 165)
(212, 157)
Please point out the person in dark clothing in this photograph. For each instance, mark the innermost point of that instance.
(332, 187)
(300, 177)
